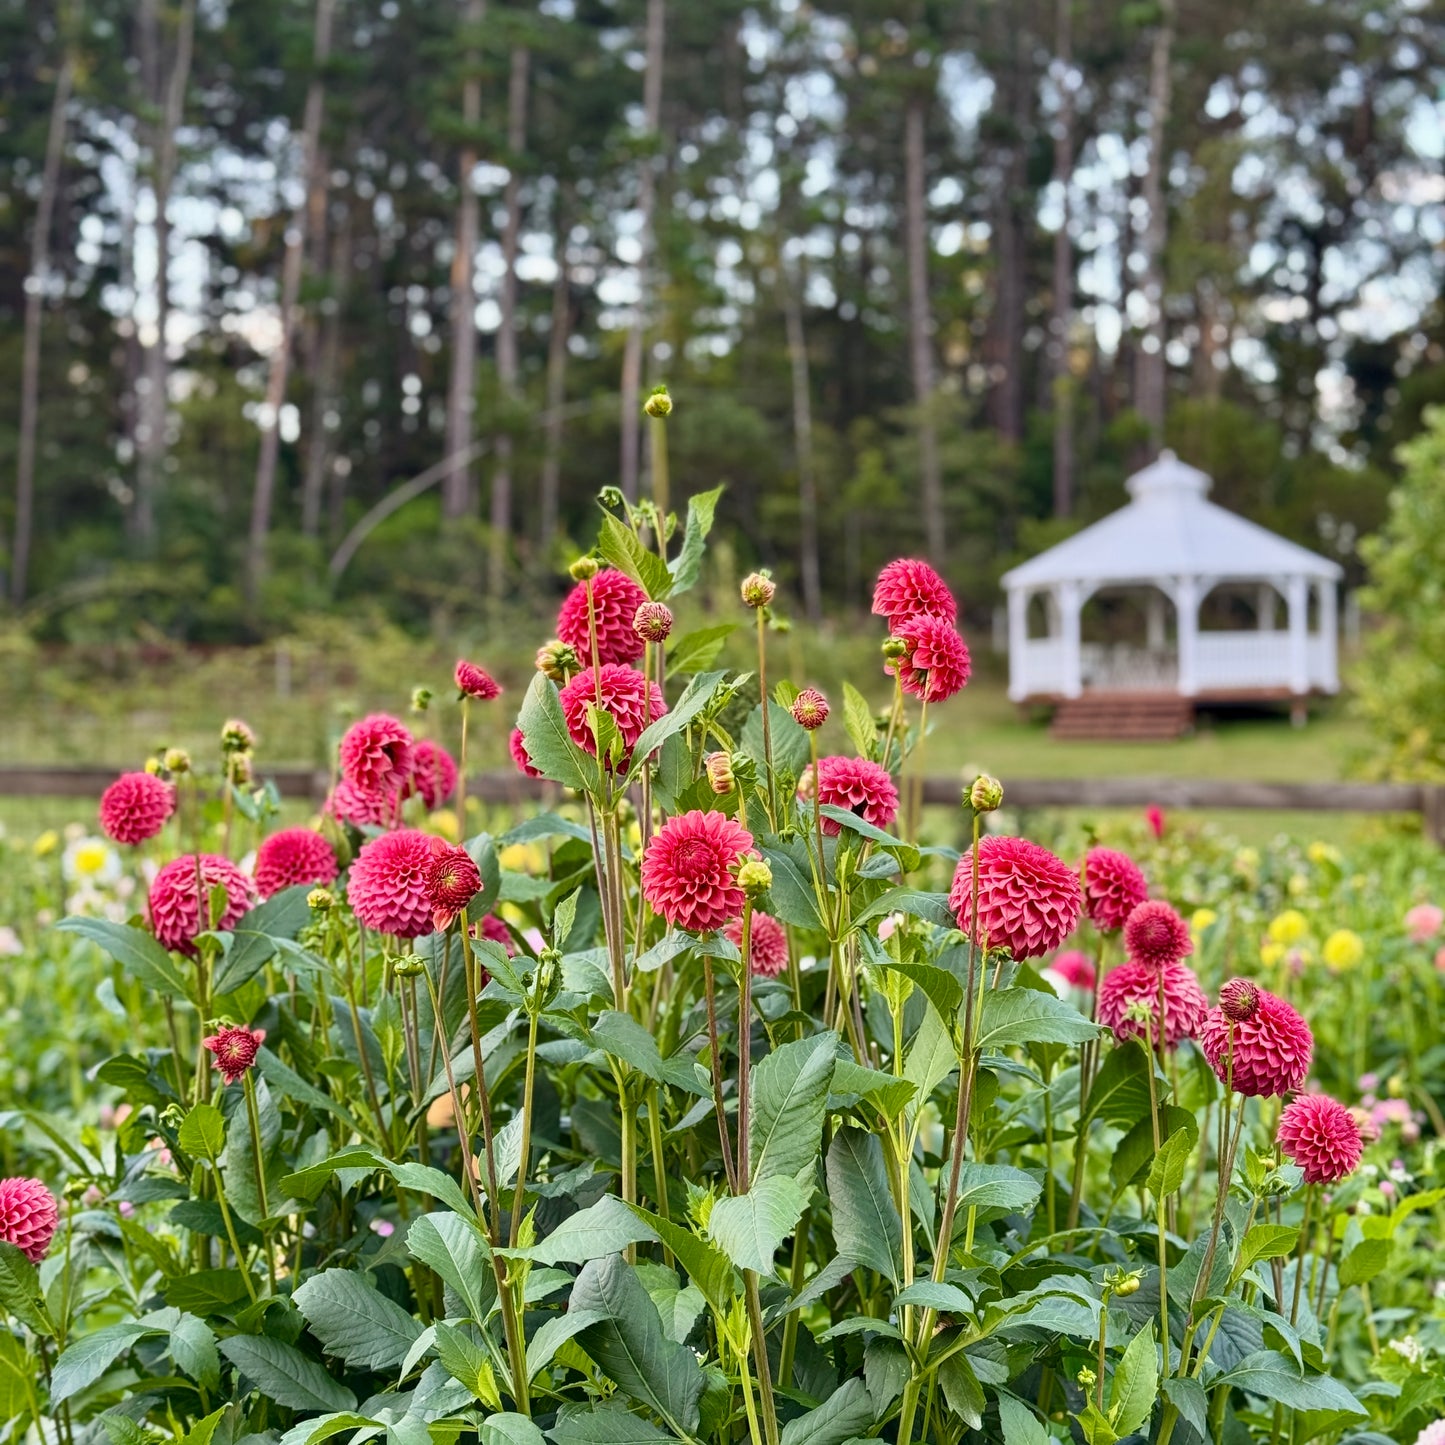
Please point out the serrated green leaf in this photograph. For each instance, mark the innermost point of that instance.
(509, 1429)
(602, 1228)
(1266, 1241)
(750, 1227)
(995, 1186)
(686, 567)
(467, 1363)
(137, 952)
(618, 544)
(284, 1375)
(84, 1362)
(549, 745)
(793, 898)
(693, 701)
(354, 1321)
(1273, 1376)
(20, 1290)
(839, 1419)
(1166, 1173)
(1120, 1092)
(1015, 1017)
(1367, 1259)
(1020, 1425)
(789, 1096)
(610, 1424)
(699, 650)
(858, 719)
(455, 1249)
(203, 1132)
(253, 940)
(866, 1227)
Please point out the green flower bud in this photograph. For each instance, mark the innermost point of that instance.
(320, 900)
(754, 876)
(986, 794)
(659, 404)
(409, 965)
(584, 568)
(758, 589)
(420, 699)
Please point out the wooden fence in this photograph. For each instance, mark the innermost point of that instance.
(1427, 801)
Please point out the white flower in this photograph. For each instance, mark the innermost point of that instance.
(90, 862)
(1409, 1348)
(10, 945)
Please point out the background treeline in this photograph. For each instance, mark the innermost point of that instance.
(921, 276)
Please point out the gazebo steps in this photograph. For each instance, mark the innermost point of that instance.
(1123, 717)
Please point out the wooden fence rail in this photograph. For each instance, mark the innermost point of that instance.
(1425, 800)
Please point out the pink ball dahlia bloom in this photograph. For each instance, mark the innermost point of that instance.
(860, 786)
(363, 807)
(234, 1050)
(1321, 1136)
(376, 753)
(477, 682)
(452, 881)
(687, 871)
(633, 701)
(1272, 1048)
(1028, 900)
(517, 746)
(768, 946)
(1432, 1434)
(388, 884)
(292, 857)
(1155, 935)
(1132, 986)
(28, 1216)
(937, 664)
(908, 587)
(1423, 922)
(1075, 968)
(433, 774)
(180, 898)
(615, 600)
(135, 807)
(1113, 888)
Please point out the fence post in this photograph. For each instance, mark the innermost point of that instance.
(1432, 811)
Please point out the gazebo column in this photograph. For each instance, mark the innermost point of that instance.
(1299, 637)
(1154, 621)
(1018, 644)
(1264, 606)
(1071, 603)
(1186, 604)
(1329, 678)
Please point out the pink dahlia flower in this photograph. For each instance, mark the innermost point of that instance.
(1423, 922)
(1155, 935)
(452, 881)
(1028, 900)
(1271, 1052)
(937, 664)
(1113, 888)
(292, 857)
(135, 807)
(855, 784)
(376, 753)
(1154, 817)
(687, 871)
(615, 599)
(28, 1216)
(768, 946)
(363, 807)
(516, 745)
(1135, 986)
(1075, 968)
(388, 884)
(1321, 1136)
(1432, 1434)
(235, 1050)
(810, 709)
(632, 700)
(908, 587)
(477, 682)
(433, 774)
(180, 898)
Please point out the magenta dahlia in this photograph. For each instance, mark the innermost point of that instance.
(376, 753)
(477, 682)
(388, 884)
(768, 946)
(234, 1050)
(180, 898)
(292, 857)
(452, 881)
(630, 698)
(135, 807)
(1321, 1136)
(1133, 988)
(860, 786)
(687, 871)
(433, 774)
(517, 746)
(1075, 968)
(1155, 935)
(615, 600)
(1028, 900)
(907, 587)
(1271, 1049)
(937, 664)
(363, 807)
(28, 1216)
(1113, 888)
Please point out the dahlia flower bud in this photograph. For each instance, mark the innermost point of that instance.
(1128, 1285)
(659, 404)
(653, 621)
(758, 589)
(420, 699)
(320, 900)
(1238, 999)
(176, 760)
(986, 794)
(754, 876)
(238, 769)
(719, 769)
(745, 770)
(584, 568)
(1087, 1378)
(235, 1050)
(557, 660)
(409, 965)
(894, 648)
(237, 737)
(810, 709)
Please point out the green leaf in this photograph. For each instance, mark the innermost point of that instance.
(203, 1132)
(995, 1186)
(931, 907)
(1136, 1383)
(84, 1362)
(698, 695)
(1166, 1173)
(1188, 1397)
(610, 1424)
(866, 1227)
(193, 1348)
(1273, 1376)
(907, 853)
(290, 1085)
(284, 1375)
(686, 567)
(962, 1390)
(794, 900)
(708, 1268)
(790, 742)
(840, 1418)
(1134, 1153)
(422, 1179)
(1020, 1425)
(1266, 1241)
(20, 1290)
(1013, 1017)
(944, 990)
(618, 544)
(697, 651)
(931, 1057)
(945, 1298)
(886, 1092)
(789, 1095)
(307, 1184)
(510, 1429)
(354, 1322)
(750, 1227)
(1363, 1263)
(253, 940)
(630, 1346)
(1120, 1092)
(621, 1034)
(466, 1362)
(858, 718)
(555, 1333)
(135, 950)
(549, 745)
(454, 1248)
(603, 1228)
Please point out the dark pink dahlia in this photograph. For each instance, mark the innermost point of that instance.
(768, 946)
(517, 746)
(135, 807)
(1133, 988)
(433, 774)
(1321, 1136)
(376, 753)
(615, 599)
(388, 884)
(180, 898)
(625, 693)
(234, 1050)
(1155, 935)
(28, 1216)
(1270, 1053)
(1028, 900)
(855, 784)
(688, 870)
(907, 587)
(474, 681)
(936, 664)
(291, 857)
(1113, 888)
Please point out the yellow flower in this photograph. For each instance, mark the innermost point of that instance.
(1323, 853)
(1271, 954)
(90, 857)
(1344, 949)
(46, 843)
(1288, 927)
(523, 858)
(1201, 919)
(446, 822)
(1298, 885)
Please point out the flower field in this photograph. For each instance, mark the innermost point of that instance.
(726, 1097)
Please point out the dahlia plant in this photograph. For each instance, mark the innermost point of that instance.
(715, 1101)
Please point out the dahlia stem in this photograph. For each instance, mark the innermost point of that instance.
(462, 770)
(745, 1047)
(253, 1114)
(915, 776)
(714, 1050)
(767, 723)
(1159, 1195)
(473, 1174)
(895, 716)
(1304, 1237)
(659, 1167)
(230, 1223)
(519, 1194)
(760, 1356)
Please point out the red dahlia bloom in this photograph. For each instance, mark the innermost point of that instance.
(28, 1216)
(433, 774)
(810, 709)
(452, 881)
(1028, 900)
(235, 1050)
(1155, 935)
(517, 746)
(908, 587)
(477, 682)
(687, 871)
(937, 664)
(1133, 985)
(615, 599)
(388, 884)
(1075, 968)
(1272, 1048)
(633, 701)
(768, 946)
(1113, 888)
(363, 807)
(376, 753)
(135, 807)
(1321, 1136)
(292, 857)
(1238, 999)
(856, 784)
(180, 898)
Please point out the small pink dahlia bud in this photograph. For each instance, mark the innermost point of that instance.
(557, 660)
(810, 709)
(1154, 935)
(719, 769)
(1238, 999)
(653, 621)
(235, 1050)
(237, 737)
(28, 1216)
(767, 947)
(1321, 1136)
(758, 589)
(1113, 888)
(135, 807)
(474, 681)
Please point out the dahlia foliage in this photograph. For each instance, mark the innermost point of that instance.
(725, 1094)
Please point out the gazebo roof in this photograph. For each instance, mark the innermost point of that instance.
(1170, 529)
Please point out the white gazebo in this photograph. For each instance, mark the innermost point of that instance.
(1176, 547)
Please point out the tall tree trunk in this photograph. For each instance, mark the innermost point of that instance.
(169, 103)
(459, 498)
(1063, 280)
(507, 362)
(790, 288)
(264, 492)
(39, 280)
(319, 452)
(1149, 385)
(920, 325)
(631, 453)
(551, 479)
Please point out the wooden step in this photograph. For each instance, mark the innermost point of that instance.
(1123, 717)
